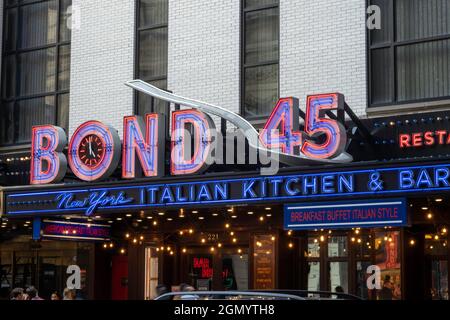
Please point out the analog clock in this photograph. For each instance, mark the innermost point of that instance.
(91, 150)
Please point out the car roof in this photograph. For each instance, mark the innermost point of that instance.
(305, 293)
(166, 296)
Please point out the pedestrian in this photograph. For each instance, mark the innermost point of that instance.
(33, 293)
(161, 289)
(184, 287)
(69, 294)
(17, 294)
(386, 293)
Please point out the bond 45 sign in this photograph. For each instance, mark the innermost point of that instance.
(95, 148)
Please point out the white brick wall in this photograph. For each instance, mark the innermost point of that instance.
(102, 61)
(316, 54)
(204, 48)
(323, 49)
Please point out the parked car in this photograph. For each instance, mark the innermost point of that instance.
(227, 295)
(315, 295)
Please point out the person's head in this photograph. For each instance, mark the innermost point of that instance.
(55, 296)
(162, 289)
(32, 292)
(339, 289)
(184, 287)
(17, 294)
(69, 294)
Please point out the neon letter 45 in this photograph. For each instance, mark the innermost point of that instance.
(317, 125)
(285, 116)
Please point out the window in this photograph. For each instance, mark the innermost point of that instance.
(36, 68)
(409, 57)
(260, 57)
(339, 261)
(151, 55)
(22, 266)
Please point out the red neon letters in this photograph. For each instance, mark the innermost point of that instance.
(147, 149)
(203, 128)
(285, 117)
(316, 124)
(94, 148)
(281, 130)
(427, 138)
(48, 163)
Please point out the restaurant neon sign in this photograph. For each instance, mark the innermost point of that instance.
(94, 149)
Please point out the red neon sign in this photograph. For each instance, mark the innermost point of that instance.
(427, 138)
(204, 265)
(94, 149)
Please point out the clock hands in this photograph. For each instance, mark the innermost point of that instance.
(91, 153)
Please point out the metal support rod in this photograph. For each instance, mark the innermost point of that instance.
(223, 126)
(152, 104)
(362, 128)
(302, 114)
(332, 116)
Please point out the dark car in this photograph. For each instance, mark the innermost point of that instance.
(314, 295)
(227, 295)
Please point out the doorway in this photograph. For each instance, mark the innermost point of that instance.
(437, 257)
(225, 268)
(151, 273)
(119, 281)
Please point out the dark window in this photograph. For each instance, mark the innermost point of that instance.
(36, 68)
(410, 55)
(151, 54)
(260, 58)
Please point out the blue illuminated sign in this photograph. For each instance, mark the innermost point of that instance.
(345, 214)
(67, 200)
(250, 189)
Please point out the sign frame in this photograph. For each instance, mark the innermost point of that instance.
(39, 230)
(398, 180)
(376, 213)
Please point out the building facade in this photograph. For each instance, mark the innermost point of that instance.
(65, 62)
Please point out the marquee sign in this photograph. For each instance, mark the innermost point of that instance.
(94, 149)
(67, 230)
(243, 190)
(346, 214)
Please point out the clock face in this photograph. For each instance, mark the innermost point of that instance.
(91, 150)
